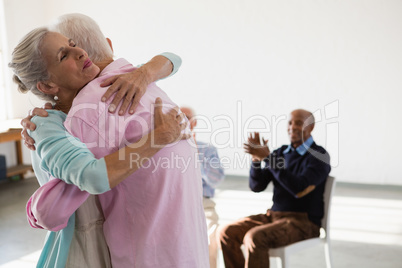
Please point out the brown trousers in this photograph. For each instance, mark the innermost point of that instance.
(261, 232)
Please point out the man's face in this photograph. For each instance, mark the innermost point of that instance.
(297, 129)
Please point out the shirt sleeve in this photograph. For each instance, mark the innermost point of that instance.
(51, 206)
(259, 177)
(174, 59)
(212, 171)
(65, 157)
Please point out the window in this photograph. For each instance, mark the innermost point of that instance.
(4, 84)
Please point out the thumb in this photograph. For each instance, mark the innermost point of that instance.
(158, 105)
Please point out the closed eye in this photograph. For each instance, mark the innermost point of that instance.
(63, 56)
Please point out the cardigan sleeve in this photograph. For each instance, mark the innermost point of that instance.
(65, 157)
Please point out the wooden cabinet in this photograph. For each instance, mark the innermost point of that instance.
(14, 135)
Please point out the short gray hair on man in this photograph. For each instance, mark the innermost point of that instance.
(28, 65)
(86, 34)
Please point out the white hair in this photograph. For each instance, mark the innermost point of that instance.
(86, 34)
(28, 65)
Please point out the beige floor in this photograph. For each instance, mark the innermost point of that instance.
(366, 224)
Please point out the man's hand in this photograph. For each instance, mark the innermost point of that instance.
(27, 124)
(130, 88)
(169, 126)
(258, 150)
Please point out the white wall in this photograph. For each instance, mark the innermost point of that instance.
(341, 59)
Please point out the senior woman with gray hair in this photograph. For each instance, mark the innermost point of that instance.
(52, 67)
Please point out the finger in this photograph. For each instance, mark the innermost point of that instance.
(30, 147)
(27, 124)
(47, 106)
(174, 111)
(109, 92)
(158, 105)
(25, 121)
(27, 139)
(186, 136)
(180, 117)
(39, 112)
(116, 100)
(109, 81)
(126, 104)
(137, 97)
(183, 125)
(247, 151)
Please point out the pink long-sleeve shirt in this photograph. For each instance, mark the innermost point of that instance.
(155, 217)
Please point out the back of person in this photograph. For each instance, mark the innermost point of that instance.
(156, 215)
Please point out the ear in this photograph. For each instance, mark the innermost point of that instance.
(47, 88)
(193, 123)
(312, 127)
(110, 43)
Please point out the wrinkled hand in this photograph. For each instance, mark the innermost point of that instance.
(255, 148)
(130, 88)
(27, 124)
(169, 126)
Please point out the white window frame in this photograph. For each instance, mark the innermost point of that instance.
(5, 83)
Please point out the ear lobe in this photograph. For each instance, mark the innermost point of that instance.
(47, 88)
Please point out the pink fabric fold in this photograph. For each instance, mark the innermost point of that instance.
(52, 205)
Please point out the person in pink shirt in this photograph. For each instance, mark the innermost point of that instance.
(155, 217)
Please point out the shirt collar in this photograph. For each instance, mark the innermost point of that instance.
(302, 149)
(115, 65)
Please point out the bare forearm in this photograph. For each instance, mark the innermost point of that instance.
(157, 68)
(127, 160)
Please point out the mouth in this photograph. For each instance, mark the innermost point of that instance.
(87, 63)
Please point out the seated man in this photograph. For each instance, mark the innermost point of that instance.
(298, 172)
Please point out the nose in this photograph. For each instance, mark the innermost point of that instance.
(80, 53)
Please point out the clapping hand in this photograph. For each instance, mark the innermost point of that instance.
(255, 148)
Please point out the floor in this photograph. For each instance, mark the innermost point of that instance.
(366, 224)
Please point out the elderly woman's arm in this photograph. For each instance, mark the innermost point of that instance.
(65, 157)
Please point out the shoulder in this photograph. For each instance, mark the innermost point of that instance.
(54, 119)
(319, 155)
(318, 148)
